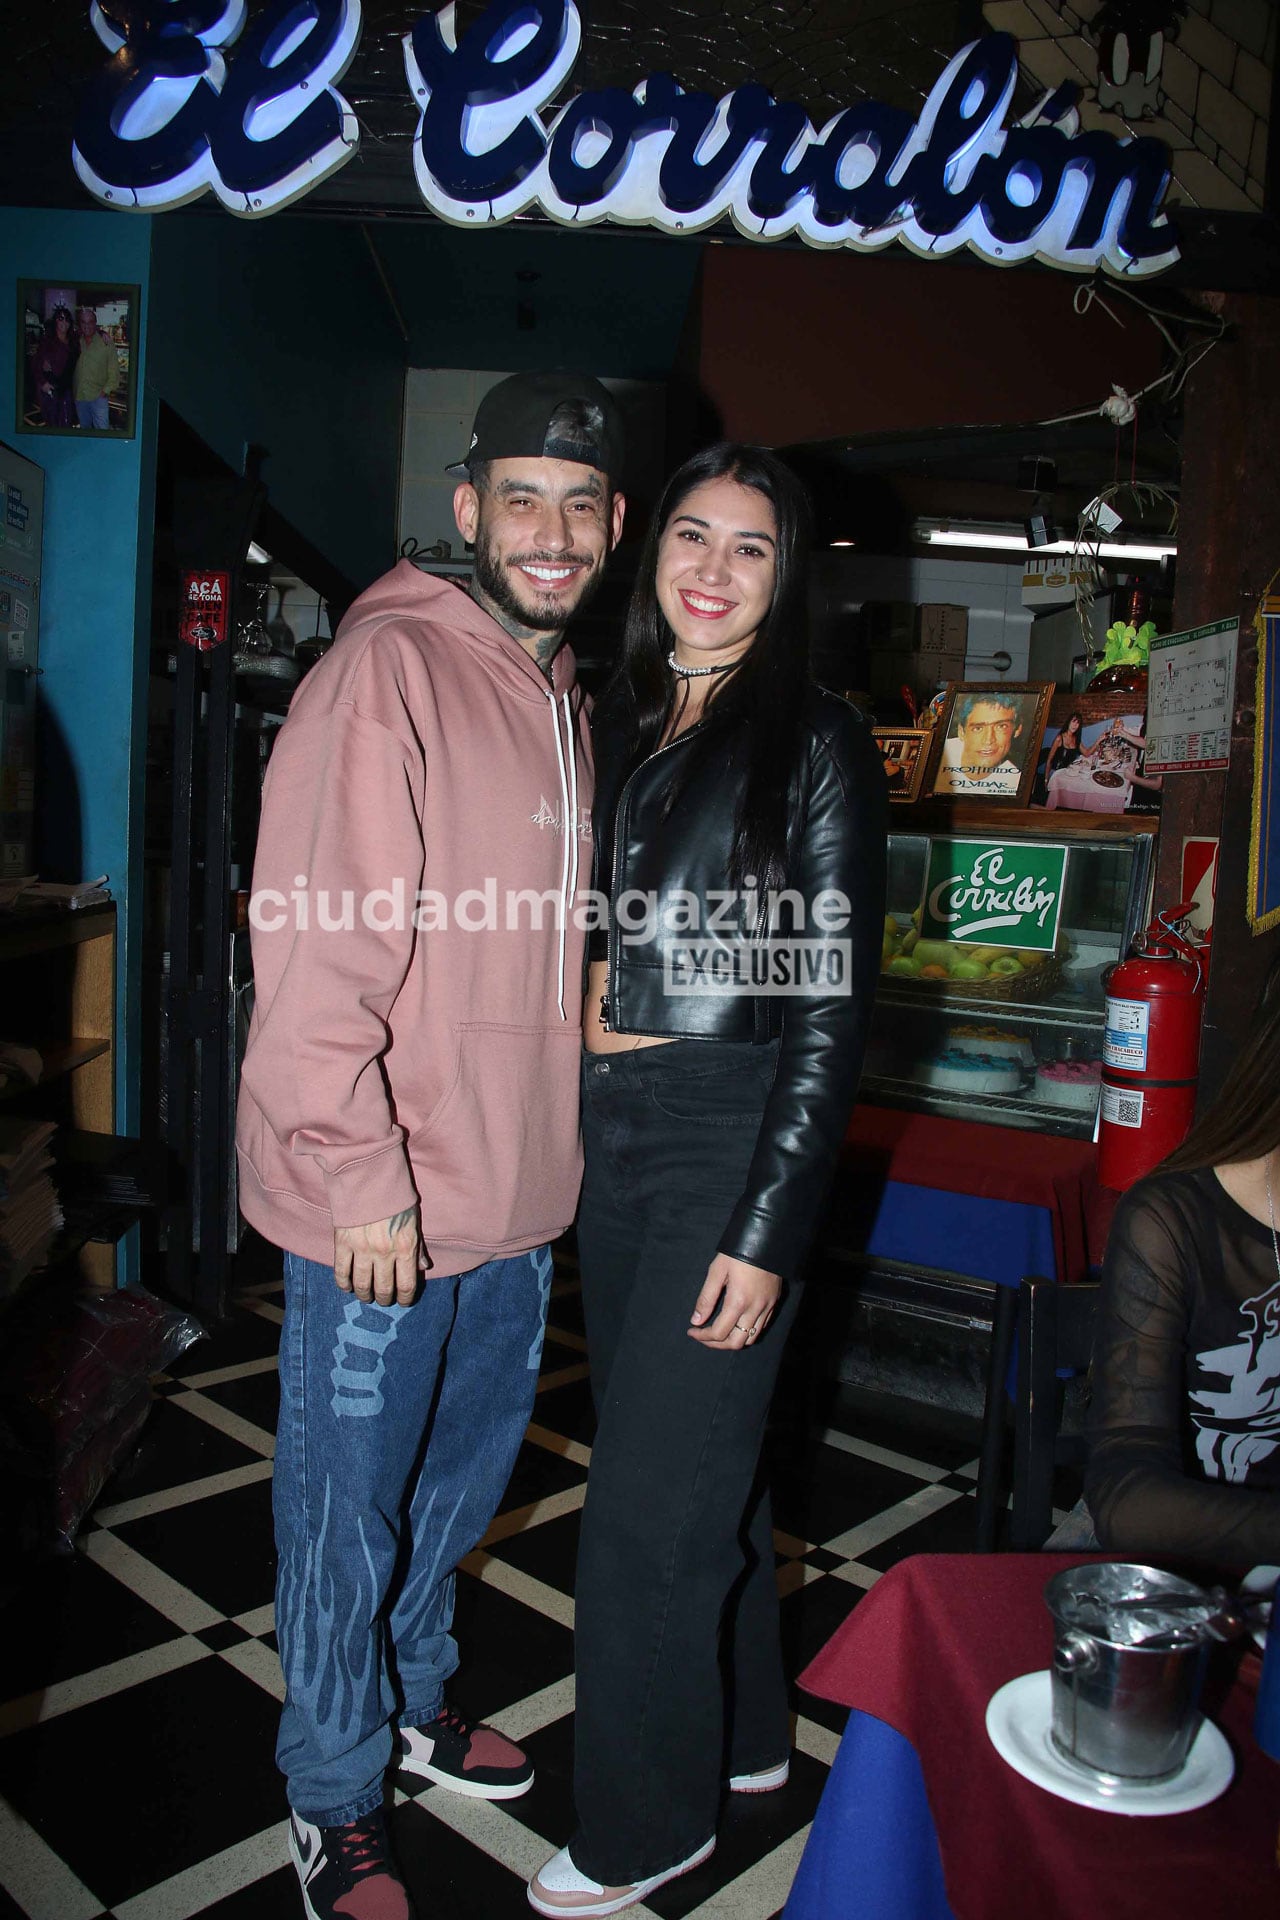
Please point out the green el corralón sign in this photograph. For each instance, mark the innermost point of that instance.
(1006, 895)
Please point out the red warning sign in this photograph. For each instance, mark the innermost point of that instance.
(205, 601)
(1200, 884)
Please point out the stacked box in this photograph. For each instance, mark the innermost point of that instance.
(944, 641)
(915, 647)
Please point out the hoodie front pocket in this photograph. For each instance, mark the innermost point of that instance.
(499, 1162)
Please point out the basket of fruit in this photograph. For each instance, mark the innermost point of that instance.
(968, 971)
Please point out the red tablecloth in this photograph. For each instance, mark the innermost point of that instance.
(925, 1650)
(995, 1163)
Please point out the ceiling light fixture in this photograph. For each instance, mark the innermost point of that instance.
(1005, 539)
(257, 556)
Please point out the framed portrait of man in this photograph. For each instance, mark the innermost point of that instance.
(990, 741)
(77, 358)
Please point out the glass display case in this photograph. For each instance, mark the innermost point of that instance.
(990, 1005)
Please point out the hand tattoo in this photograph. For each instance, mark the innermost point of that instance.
(399, 1220)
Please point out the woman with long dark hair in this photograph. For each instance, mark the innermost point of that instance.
(1067, 746)
(53, 364)
(1185, 1426)
(740, 821)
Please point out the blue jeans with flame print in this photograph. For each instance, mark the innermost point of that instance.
(399, 1427)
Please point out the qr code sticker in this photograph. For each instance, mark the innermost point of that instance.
(1122, 1109)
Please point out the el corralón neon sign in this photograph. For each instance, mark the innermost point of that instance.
(170, 117)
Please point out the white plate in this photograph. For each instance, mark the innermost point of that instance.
(1018, 1719)
(1261, 1580)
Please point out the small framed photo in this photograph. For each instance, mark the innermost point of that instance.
(990, 741)
(77, 368)
(905, 752)
(1092, 757)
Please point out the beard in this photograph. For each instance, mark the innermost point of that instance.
(545, 612)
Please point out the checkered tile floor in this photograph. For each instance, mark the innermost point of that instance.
(142, 1685)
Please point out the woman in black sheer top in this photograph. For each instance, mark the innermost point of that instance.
(1185, 1428)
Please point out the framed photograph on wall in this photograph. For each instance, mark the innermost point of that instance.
(990, 733)
(77, 368)
(905, 752)
(1092, 756)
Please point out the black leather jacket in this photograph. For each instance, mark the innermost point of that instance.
(836, 840)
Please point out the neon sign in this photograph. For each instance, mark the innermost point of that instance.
(175, 119)
(167, 118)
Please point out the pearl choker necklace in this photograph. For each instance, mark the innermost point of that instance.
(696, 673)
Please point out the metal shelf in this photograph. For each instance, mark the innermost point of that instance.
(957, 1006)
(998, 1109)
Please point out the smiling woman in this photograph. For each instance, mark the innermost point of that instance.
(718, 1079)
(716, 570)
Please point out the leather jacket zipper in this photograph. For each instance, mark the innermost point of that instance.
(614, 982)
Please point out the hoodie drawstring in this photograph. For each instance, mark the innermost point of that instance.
(574, 817)
(569, 814)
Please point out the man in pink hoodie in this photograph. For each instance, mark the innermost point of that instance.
(408, 1119)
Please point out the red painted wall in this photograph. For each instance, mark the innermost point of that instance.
(813, 346)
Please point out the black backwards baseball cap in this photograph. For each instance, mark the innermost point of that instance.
(515, 421)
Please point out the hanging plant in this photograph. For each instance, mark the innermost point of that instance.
(1127, 645)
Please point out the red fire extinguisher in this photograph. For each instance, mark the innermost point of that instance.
(1151, 1054)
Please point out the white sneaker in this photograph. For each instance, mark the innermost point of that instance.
(559, 1888)
(763, 1782)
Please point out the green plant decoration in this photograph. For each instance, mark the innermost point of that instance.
(1128, 646)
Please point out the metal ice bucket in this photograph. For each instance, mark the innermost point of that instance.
(1122, 1709)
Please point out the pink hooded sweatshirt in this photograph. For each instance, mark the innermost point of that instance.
(424, 757)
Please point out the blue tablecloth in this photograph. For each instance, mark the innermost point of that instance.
(998, 1240)
(873, 1851)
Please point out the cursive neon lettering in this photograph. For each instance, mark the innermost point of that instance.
(171, 116)
(956, 177)
(168, 118)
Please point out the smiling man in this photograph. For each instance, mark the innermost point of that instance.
(539, 512)
(408, 1123)
(977, 757)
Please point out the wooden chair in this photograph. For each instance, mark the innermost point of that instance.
(1054, 1329)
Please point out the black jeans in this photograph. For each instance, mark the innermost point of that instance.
(679, 1667)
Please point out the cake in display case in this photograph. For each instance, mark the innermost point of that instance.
(991, 1001)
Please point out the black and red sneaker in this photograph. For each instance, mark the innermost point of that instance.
(347, 1873)
(466, 1757)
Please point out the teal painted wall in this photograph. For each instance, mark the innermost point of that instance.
(279, 333)
(95, 604)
